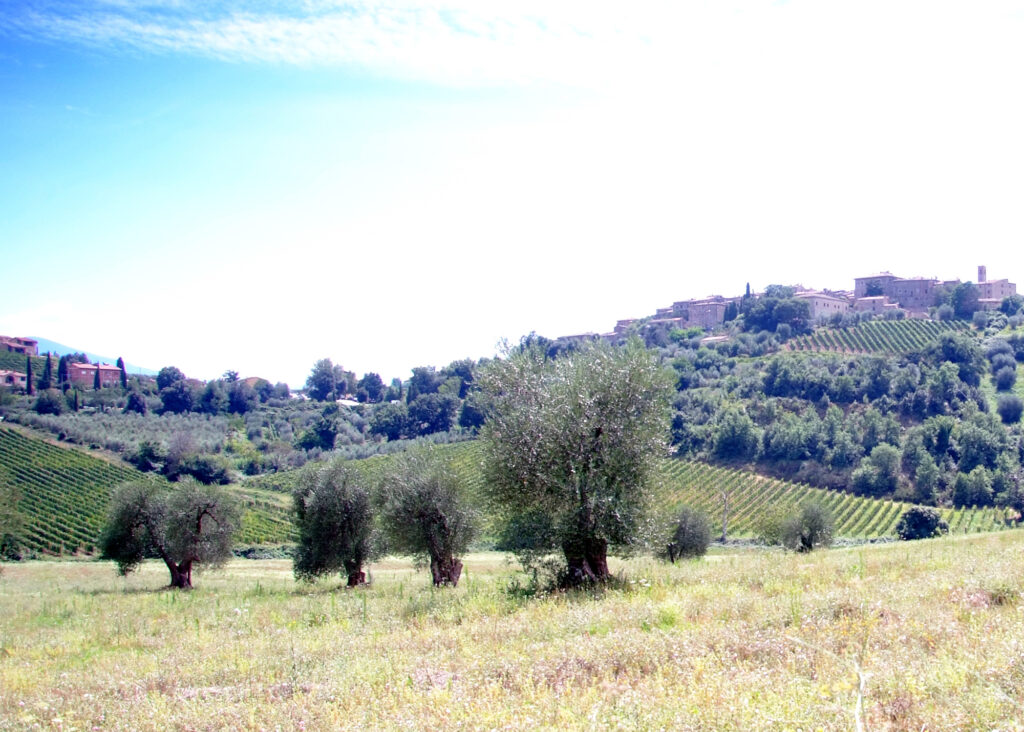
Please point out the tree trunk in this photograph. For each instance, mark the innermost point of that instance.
(725, 515)
(354, 570)
(181, 574)
(587, 560)
(445, 571)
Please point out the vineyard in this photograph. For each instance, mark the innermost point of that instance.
(16, 362)
(700, 485)
(752, 496)
(877, 336)
(63, 495)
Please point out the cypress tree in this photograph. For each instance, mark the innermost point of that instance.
(77, 404)
(47, 381)
(62, 373)
(30, 385)
(96, 379)
(124, 374)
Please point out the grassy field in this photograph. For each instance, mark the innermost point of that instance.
(900, 636)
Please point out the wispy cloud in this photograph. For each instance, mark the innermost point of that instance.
(439, 40)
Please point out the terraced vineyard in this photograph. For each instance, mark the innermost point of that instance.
(64, 494)
(877, 336)
(16, 362)
(700, 485)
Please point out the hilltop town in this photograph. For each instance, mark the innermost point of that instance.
(875, 294)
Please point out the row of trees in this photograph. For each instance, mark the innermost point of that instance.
(570, 450)
(227, 395)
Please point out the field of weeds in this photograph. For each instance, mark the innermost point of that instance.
(925, 635)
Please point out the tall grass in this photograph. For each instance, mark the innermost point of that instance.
(900, 636)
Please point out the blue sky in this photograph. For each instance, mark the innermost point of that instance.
(256, 185)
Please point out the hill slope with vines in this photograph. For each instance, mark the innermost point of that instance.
(700, 485)
(877, 336)
(63, 495)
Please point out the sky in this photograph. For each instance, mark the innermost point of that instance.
(257, 185)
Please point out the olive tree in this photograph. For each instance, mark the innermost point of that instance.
(690, 536)
(186, 525)
(921, 522)
(425, 512)
(335, 524)
(569, 448)
(809, 528)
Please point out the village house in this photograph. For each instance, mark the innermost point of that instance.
(14, 380)
(991, 293)
(84, 374)
(822, 304)
(25, 346)
(913, 293)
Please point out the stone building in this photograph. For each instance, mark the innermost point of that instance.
(822, 304)
(992, 292)
(26, 346)
(84, 374)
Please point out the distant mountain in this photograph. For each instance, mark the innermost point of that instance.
(60, 349)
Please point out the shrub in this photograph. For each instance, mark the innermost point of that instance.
(1010, 408)
(49, 401)
(691, 536)
(207, 469)
(769, 526)
(1005, 378)
(920, 522)
(136, 403)
(809, 529)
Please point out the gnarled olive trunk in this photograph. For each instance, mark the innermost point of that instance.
(356, 575)
(445, 570)
(587, 560)
(181, 574)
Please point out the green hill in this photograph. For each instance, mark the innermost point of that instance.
(751, 496)
(63, 495)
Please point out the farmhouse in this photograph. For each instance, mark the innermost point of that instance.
(84, 374)
(26, 346)
(13, 379)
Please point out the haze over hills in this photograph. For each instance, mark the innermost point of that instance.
(59, 349)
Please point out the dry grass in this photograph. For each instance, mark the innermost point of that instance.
(925, 635)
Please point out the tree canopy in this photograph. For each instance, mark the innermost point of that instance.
(426, 512)
(569, 448)
(334, 519)
(184, 526)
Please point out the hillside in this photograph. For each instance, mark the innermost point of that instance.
(700, 485)
(63, 495)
